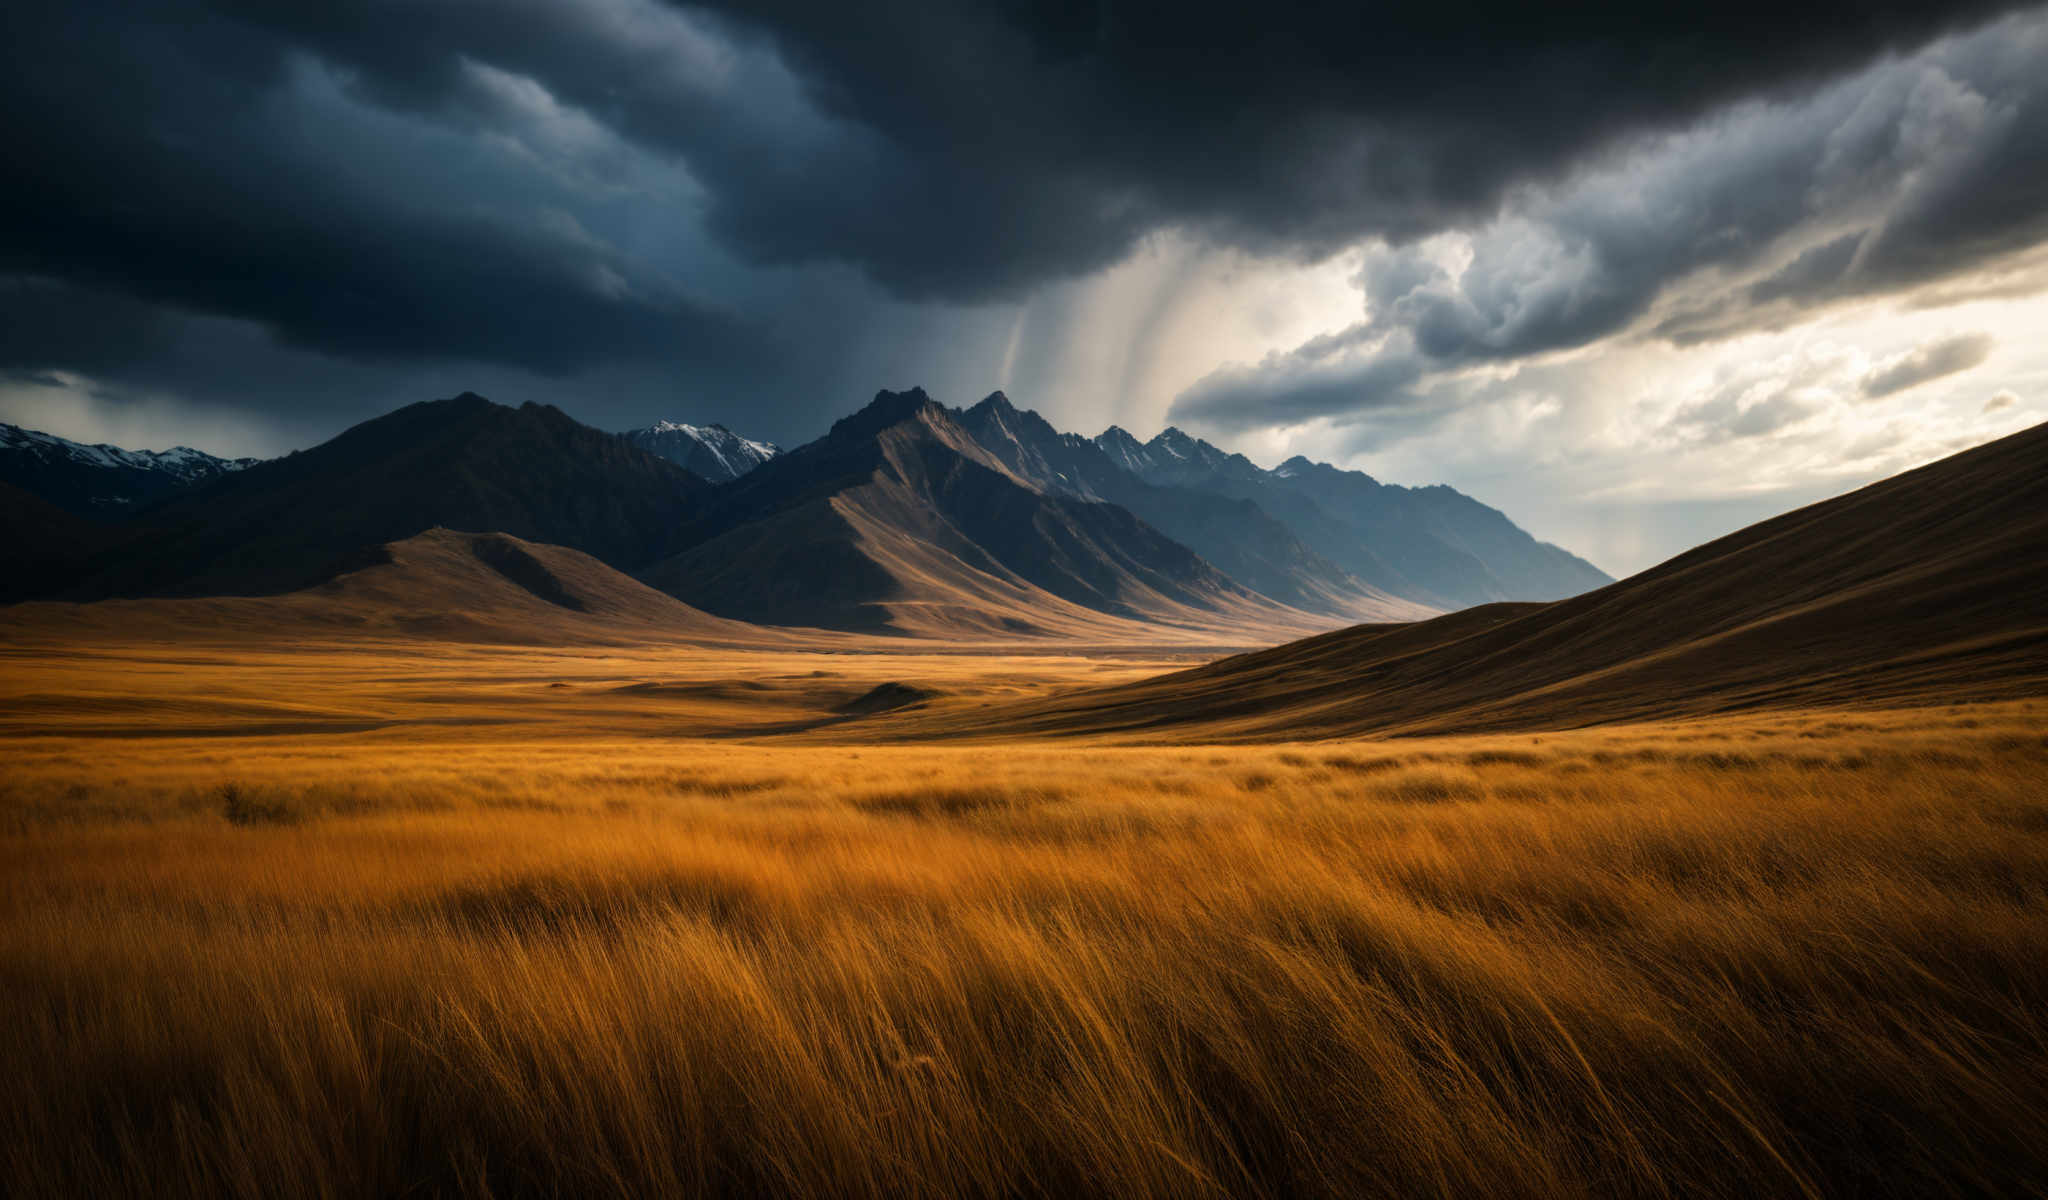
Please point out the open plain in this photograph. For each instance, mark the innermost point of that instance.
(587, 920)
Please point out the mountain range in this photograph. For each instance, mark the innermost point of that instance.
(907, 517)
(899, 519)
(1321, 535)
(102, 480)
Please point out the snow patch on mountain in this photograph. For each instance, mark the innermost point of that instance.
(711, 452)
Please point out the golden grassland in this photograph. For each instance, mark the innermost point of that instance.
(164, 688)
(414, 923)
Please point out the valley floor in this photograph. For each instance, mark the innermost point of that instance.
(410, 921)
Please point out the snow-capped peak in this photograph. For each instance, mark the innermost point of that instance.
(1175, 443)
(99, 478)
(182, 463)
(1123, 449)
(710, 451)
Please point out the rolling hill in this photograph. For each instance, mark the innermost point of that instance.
(1924, 587)
(441, 584)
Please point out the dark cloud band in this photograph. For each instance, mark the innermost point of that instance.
(567, 186)
(1924, 167)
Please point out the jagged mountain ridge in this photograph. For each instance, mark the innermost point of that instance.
(898, 519)
(100, 480)
(1234, 534)
(1434, 545)
(1308, 534)
(711, 452)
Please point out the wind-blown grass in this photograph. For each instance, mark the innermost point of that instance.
(1802, 955)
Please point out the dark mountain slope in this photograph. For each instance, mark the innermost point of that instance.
(41, 543)
(897, 519)
(1924, 587)
(465, 464)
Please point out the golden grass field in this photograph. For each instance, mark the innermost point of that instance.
(414, 920)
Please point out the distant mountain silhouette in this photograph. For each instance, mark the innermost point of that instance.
(1433, 545)
(464, 463)
(898, 519)
(1924, 587)
(102, 480)
(1432, 535)
(710, 452)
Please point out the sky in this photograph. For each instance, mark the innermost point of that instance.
(1636, 274)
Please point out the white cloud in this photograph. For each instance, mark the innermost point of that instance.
(1925, 363)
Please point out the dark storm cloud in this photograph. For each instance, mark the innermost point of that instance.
(967, 150)
(173, 161)
(1924, 364)
(1922, 167)
(570, 186)
(1039, 138)
(1894, 151)
(44, 322)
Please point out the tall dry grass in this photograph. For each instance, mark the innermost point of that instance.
(1794, 956)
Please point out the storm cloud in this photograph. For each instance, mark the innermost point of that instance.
(476, 181)
(1923, 167)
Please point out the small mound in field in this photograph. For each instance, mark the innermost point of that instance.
(700, 689)
(886, 697)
